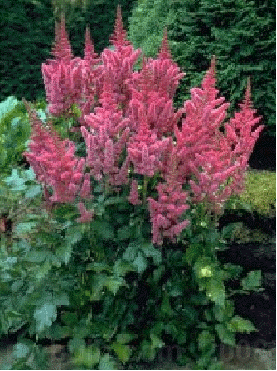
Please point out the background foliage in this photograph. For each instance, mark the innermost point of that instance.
(241, 35)
(27, 33)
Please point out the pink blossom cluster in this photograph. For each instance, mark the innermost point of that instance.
(55, 164)
(134, 129)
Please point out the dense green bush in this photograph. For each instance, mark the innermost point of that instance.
(27, 33)
(240, 34)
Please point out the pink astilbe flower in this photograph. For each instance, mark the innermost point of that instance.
(145, 151)
(166, 73)
(86, 216)
(118, 64)
(63, 75)
(106, 139)
(133, 198)
(54, 162)
(146, 100)
(204, 114)
(91, 74)
(166, 213)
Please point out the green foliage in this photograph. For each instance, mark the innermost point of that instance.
(14, 133)
(241, 35)
(114, 296)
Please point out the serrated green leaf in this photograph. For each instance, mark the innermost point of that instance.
(131, 252)
(140, 263)
(206, 340)
(125, 338)
(113, 285)
(156, 342)
(225, 335)
(76, 343)
(23, 228)
(216, 291)
(238, 324)
(123, 233)
(20, 350)
(122, 351)
(121, 268)
(150, 251)
(252, 281)
(45, 316)
(87, 356)
(33, 191)
(107, 362)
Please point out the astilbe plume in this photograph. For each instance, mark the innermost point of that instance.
(152, 92)
(105, 138)
(62, 75)
(166, 213)
(55, 164)
(91, 74)
(118, 63)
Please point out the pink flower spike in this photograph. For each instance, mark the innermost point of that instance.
(134, 196)
(86, 216)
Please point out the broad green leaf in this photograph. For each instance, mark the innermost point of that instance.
(131, 252)
(37, 256)
(123, 233)
(205, 340)
(87, 356)
(252, 281)
(216, 291)
(20, 350)
(150, 251)
(155, 341)
(103, 229)
(125, 338)
(70, 319)
(15, 181)
(23, 228)
(33, 191)
(107, 362)
(121, 268)
(113, 285)
(140, 263)
(76, 343)
(122, 351)
(238, 324)
(45, 316)
(225, 335)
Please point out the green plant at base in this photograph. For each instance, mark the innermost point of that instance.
(114, 296)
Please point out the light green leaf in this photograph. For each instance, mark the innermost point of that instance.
(252, 281)
(113, 285)
(205, 340)
(216, 291)
(107, 363)
(150, 251)
(125, 338)
(131, 252)
(76, 343)
(155, 341)
(87, 356)
(140, 263)
(121, 268)
(238, 324)
(45, 316)
(23, 228)
(122, 351)
(225, 335)
(20, 350)
(123, 233)
(33, 191)
(15, 181)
